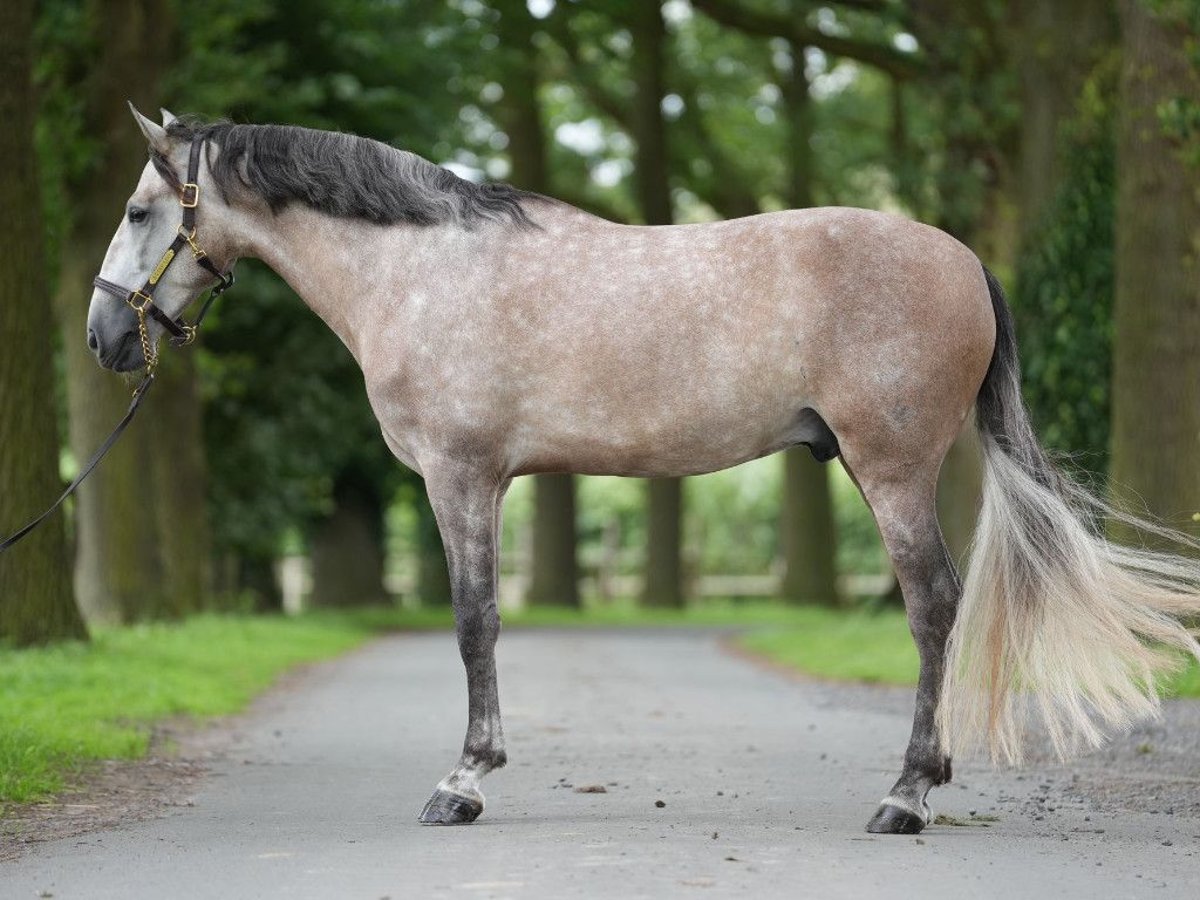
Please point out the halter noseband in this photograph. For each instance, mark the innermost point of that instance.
(141, 300)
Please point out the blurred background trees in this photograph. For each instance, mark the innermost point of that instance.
(1058, 139)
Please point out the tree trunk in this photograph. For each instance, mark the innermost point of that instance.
(36, 600)
(178, 475)
(347, 549)
(119, 571)
(554, 576)
(960, 491)
(808, 532)
(1156, 360)
(1056, 47)
(256, 577)
(663, 584)
(433, 575)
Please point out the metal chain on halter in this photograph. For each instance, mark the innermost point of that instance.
(148, 351)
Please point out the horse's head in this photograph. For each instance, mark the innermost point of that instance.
(154, 261)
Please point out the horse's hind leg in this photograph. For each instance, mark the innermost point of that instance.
(904, 509)
(467, 506)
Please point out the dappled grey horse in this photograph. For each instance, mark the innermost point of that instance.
(502, 333)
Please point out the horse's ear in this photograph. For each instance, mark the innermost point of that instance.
(156, 135)
(167, 116)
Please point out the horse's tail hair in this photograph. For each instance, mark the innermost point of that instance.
(1050, 607)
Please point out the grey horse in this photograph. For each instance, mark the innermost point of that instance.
(502, 333)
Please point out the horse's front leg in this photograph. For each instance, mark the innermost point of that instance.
(467, 506)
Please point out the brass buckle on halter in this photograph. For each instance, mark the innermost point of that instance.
(190, 237)
(189, 335)
(139, 307)
(194, 198)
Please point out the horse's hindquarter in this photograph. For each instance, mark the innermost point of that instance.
(599, 348)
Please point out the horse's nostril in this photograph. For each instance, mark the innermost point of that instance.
(93, 341)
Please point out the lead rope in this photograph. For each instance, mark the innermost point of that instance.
(139, 394)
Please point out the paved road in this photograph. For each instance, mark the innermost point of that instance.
(767, 783)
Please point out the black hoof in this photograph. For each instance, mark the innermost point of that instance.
(895, 820)
(448, 808)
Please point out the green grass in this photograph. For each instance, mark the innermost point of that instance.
(846, 646)
(875, 648)
(1187, 682)
(66, 706)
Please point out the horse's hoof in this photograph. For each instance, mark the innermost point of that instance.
(448, 808)
(891, 819)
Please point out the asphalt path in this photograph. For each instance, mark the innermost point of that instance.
(721, 778)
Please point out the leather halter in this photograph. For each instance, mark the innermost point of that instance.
(141, 300)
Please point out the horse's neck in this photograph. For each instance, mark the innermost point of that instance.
(337, 266)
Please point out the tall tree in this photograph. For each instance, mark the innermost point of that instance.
(554, 575)
(808, 532)
(663, 585)
(141, 533)
(1156, 371)
(1064, 191)
(37, 603)
(1063, 301)
(179, 481)
(433, 574)
(1056, 46)
(967, 84)
(347, 545)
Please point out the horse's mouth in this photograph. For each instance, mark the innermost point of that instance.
(126, 356)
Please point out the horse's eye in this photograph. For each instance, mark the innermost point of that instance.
(137, 214)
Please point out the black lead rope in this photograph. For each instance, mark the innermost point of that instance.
(138, 396)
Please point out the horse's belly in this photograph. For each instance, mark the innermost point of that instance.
(650, 440)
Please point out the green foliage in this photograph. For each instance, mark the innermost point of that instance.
(1064, 296)
(66, 151)
(284, 411)
(963, 115)
(1180, 115)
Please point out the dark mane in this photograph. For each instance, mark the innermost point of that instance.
(344, 175)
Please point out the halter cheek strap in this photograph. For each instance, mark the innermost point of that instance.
(141, 300)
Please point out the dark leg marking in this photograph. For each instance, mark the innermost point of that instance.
(467, 509)
(908, 522)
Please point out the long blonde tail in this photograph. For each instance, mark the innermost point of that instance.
(1051, 608)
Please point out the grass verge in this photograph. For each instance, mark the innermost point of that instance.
(875, 648)
(845, 646)
(66, 706)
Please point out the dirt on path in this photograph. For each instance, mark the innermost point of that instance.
(642, 764)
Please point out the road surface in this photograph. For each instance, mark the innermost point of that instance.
(722, 778)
